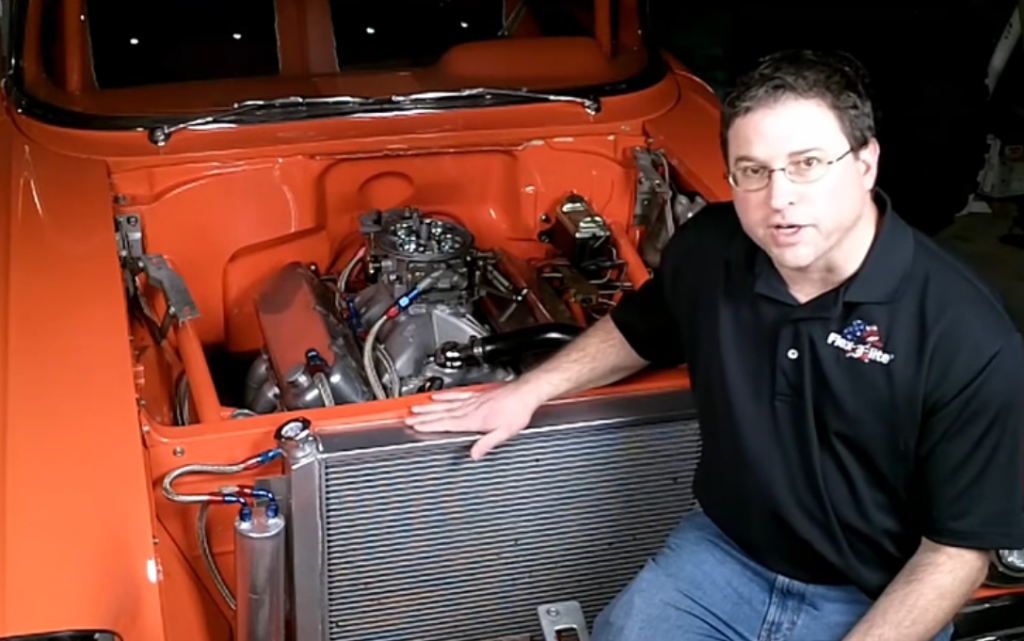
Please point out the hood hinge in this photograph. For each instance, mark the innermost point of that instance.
(134, 261)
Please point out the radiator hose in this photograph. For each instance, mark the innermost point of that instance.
(506, 346)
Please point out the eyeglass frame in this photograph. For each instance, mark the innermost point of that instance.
(772, 170)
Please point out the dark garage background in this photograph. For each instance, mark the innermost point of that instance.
(928, 63)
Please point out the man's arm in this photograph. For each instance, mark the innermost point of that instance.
(925, 596)
(599, 356)
(639, 331)
(642, 329)
(969, 474)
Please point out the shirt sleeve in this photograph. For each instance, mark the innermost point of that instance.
(971, 452)
(645, 317)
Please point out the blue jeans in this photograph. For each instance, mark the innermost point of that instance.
(700, 586)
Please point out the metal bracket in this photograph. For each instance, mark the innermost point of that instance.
(652, 189)
(134, 261)
(129, 236)
(563, 621)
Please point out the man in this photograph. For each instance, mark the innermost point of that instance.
(859, 391)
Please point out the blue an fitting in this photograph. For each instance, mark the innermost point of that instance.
(268, 456)
(407, 300)
(403, 302)
(353, 315)
(316, 363)
(263, 494)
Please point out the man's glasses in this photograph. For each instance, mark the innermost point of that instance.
(803, 170)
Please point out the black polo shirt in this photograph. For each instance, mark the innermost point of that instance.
(839, 432)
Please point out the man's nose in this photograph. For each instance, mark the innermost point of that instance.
(781, 190)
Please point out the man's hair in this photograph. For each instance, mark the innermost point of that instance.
(836, 79)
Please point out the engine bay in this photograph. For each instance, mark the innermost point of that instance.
(384, 302)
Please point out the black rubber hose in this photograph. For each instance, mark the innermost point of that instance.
(510, 345)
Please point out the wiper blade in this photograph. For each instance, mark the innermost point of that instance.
(591, 105)
(161, 134)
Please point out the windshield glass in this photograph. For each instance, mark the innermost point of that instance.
(138, 57)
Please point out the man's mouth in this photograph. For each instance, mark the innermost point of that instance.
(787, 227)
(786, 231)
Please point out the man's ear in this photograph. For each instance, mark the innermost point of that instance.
(867, 160)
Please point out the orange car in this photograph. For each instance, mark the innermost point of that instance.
(252, 233)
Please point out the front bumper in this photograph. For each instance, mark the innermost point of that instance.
(998, 618)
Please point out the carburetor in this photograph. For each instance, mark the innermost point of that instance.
(404, 246)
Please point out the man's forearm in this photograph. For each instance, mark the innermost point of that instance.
(925, 596)
(599, 356)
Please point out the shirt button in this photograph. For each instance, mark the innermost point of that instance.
(792, 354)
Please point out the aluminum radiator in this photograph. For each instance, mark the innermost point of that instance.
(400, 536)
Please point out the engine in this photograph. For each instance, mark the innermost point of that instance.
(419, 307)
(426, 283)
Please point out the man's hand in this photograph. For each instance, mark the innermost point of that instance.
(925, 596)
(500, 413)
(599, 356)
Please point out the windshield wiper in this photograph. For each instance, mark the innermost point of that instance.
(161, 134)
(591, 105)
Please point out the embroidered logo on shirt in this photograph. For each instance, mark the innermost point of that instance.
(861, 341)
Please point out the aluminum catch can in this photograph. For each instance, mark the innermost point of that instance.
(260, 574)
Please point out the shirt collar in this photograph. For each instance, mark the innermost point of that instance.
(879, 277)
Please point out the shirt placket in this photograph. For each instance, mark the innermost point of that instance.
(790, 357)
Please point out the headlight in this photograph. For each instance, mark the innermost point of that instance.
(1011, 562)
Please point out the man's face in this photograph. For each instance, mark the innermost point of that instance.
(800, 226)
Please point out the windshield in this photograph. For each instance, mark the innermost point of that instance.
(145, 58)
